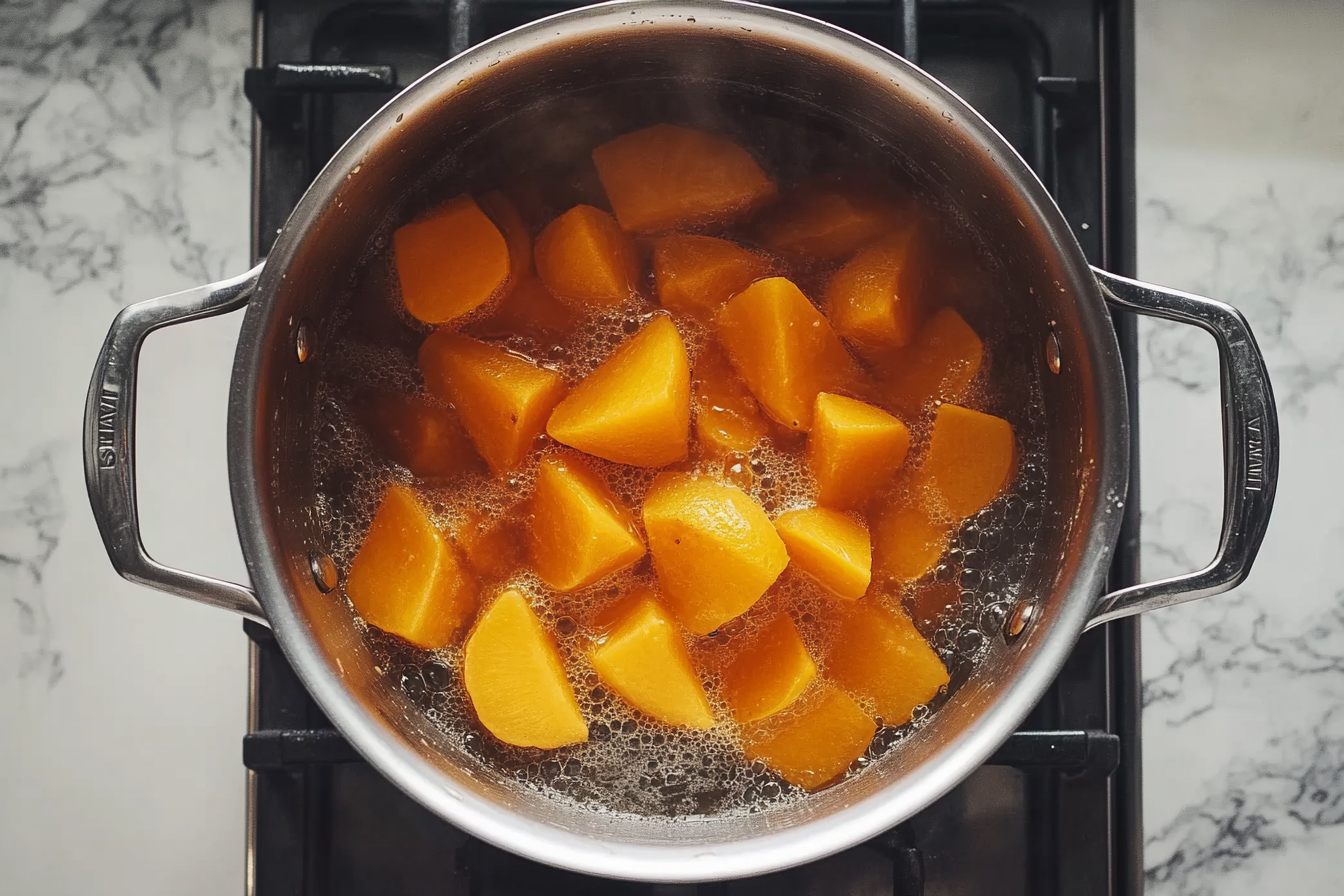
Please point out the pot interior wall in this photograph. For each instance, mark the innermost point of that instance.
(487, 117)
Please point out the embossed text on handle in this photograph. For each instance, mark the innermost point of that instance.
(108, 399)
(1255, 455)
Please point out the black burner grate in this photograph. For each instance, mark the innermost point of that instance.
(1056, 811)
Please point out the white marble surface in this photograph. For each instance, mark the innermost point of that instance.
(124, 167)
(1241, 196)
(123, 174)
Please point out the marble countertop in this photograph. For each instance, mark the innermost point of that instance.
(1241, 197)
(124, 172)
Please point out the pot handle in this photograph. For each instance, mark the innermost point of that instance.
(1250, 446)
(109, 441)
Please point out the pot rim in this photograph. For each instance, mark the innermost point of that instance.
(795, 845)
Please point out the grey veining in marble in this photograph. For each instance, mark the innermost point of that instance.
(124, 174)
(1281, 264)
(1241, 189)
(101, 105)
(1276, 799)
(1247, 686)
(31, 516)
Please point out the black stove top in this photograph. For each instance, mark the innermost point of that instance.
(1057, 810)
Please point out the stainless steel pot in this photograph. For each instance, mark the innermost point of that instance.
(740, 55)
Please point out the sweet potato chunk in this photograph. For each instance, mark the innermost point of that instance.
(424, 438)
(579, 531)
(503, 399)
(853, 450)
(875, 300)
(502, 212)
(939, 364)
(644, 660)
(516, 679)
(727, 419)
(697, 274)
(450, 262)
(815, 746)
(823, 221)
(713, 547)
(406, 579)
(665, 177)
(785, 350)
(584, 257)
(880, 656)
(527, 308)
(907, 540)
(635, 408)
(770, 672)
(494, 548)
(970, 458)
(531, 310)
(830, 547)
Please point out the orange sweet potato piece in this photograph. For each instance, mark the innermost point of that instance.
(970, 458)
(579, 531)
(830, 547)
(636, 407)
(406, 579)
(770, 672)
(853, 450)
(785, 350)
(813, 747)
(531, 310)
(697, 274)
(499, 209)
(907, 540)
(584, 257)
(503, 399)
(823, 221)
(876, 299)
(714, 549)
(880, 656)
(516, 680)
(727, 419)
(940, 364)
(665, 177)
(494, 548)
(450, 262)
(644, 659)
(425, 438)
